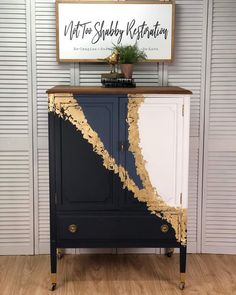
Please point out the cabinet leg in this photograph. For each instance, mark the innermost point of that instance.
(53, 258)
(183, 256)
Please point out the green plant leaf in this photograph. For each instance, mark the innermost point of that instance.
(130, 54)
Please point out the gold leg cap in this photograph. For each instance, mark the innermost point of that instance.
(53, 278)
(182, 280)
(182, 277)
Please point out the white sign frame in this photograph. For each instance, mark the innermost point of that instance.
(155, 26)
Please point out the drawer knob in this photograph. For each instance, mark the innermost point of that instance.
(72, 228)
(164, 228)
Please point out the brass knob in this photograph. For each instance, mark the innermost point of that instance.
(72, 228)
(164, 228)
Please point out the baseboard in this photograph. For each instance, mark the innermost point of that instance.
(16, 250)
(45, 249)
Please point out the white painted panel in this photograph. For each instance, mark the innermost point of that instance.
(161, 139)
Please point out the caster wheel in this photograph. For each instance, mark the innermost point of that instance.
(182, 286)
(53, 287)
(169, 254)
(59, 256)
(60, 253)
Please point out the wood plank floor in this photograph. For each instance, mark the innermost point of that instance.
(118, 275)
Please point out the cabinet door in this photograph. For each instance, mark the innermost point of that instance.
(127, 200)
(160, 127)
(83, 183)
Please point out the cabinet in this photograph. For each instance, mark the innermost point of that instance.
(118, 168)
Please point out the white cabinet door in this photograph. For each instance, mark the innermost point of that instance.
(162, 132)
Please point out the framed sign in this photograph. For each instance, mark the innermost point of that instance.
(87, 31)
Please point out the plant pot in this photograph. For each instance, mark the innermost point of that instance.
(127, 70)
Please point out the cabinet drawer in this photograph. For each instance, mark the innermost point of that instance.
(114, 228)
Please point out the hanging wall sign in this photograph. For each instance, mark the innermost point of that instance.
(87, 31)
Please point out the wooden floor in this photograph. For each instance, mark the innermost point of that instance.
(118, 274)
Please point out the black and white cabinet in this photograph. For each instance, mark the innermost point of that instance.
(118, 168)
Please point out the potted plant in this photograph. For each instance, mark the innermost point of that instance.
(128, 56)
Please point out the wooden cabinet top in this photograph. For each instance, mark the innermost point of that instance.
(103, 90)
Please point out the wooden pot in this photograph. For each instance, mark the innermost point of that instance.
(127, 70)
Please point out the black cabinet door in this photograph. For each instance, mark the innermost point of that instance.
(83, 183)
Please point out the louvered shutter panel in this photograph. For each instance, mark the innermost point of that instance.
(219, 210)
(43, 207)
(185, 72)
(16, 193)
(193, 219)
(48, 74)
(146, 74)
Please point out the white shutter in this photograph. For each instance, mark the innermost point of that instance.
(222, 114)
(16, 193)
(88, 74)
(219, 234)
(43, 207)
(186, 71)
(193, 196)
(146, 74)
(47, 73)
(16, 222)
(219, 210)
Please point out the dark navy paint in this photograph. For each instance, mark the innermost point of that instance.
(106, 114)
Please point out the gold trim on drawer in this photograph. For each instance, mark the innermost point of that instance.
(72, 228)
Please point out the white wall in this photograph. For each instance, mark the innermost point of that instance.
(205, 57)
